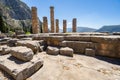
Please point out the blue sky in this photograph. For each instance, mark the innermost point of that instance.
(89, 13)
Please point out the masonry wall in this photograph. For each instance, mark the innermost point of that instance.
(103, 45)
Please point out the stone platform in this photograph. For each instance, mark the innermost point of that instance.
(79, 67)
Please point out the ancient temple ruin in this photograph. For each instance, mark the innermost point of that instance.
(60, 56)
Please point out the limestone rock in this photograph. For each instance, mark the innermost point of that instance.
(89, 52)
(20, 70)
(4, 49)
(52, 50)
(66, 51)
(34, 45)
(22, 53)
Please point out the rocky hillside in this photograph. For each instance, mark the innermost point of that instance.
(82, 29)
(110, 28)
(15, 13)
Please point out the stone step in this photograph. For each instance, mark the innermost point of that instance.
(78, 46)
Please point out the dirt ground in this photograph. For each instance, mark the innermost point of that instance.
(79, 67)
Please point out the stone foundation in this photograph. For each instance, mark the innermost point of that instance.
(102, 43)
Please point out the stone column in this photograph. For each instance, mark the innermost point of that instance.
(52, 18)
(57, 26)
(35, 24)
(64, 26)
(45, 25)
(74, 23)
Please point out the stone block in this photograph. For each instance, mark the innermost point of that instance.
(34, 45)
(66, 51)
(77, 38)
(22, 53)
(52, 50)
(89, 52)
(54, 40)
(17, 69)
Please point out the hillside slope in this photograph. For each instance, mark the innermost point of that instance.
(110, 28)
(82, 29)
(15, 13)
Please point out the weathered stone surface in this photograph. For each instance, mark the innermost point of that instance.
(34, 45)
(4, 49)
(66, 51)
(77, 38)
(107, 46)
(89, 52)
(52, 50)
(12, 42)
(79, 67)
(22, 53)
(17, 69)
(108, 49)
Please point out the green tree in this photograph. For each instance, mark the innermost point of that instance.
(3, 27)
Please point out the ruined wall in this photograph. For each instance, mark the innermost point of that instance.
(102, 45)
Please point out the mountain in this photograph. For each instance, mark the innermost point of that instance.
(109, 28)
(82, 29)
(15, 13)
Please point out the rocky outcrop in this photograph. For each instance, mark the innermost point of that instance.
(15, 13)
